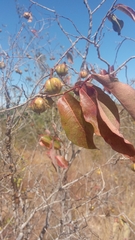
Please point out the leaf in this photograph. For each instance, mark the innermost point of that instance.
(77, 129)
(103, 72)
(117, 23)
(61, 161)
(129, 11)
(123, 92)
(106, 103)
(51, 154)
(70, 58)
(108, 106)
(57, 160)
(89, 109)
(47, 142)
(108, 131)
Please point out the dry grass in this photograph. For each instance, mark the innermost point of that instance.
(95, 199)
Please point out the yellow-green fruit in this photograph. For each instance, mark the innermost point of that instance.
(39, 105)
(53, 85)
(61, 69)
(83, 73)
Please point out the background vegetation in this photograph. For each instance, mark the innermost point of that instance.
(92, 198)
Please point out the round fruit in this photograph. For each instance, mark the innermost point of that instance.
(2, 65)
(83, 73)
(39, 104)
(53, 85)
(61, 69)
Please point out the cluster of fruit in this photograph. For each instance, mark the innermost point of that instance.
(52, 86)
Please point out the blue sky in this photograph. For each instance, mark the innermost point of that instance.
(75, 10)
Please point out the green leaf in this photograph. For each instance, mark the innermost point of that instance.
(47, 141)
(77, 129)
